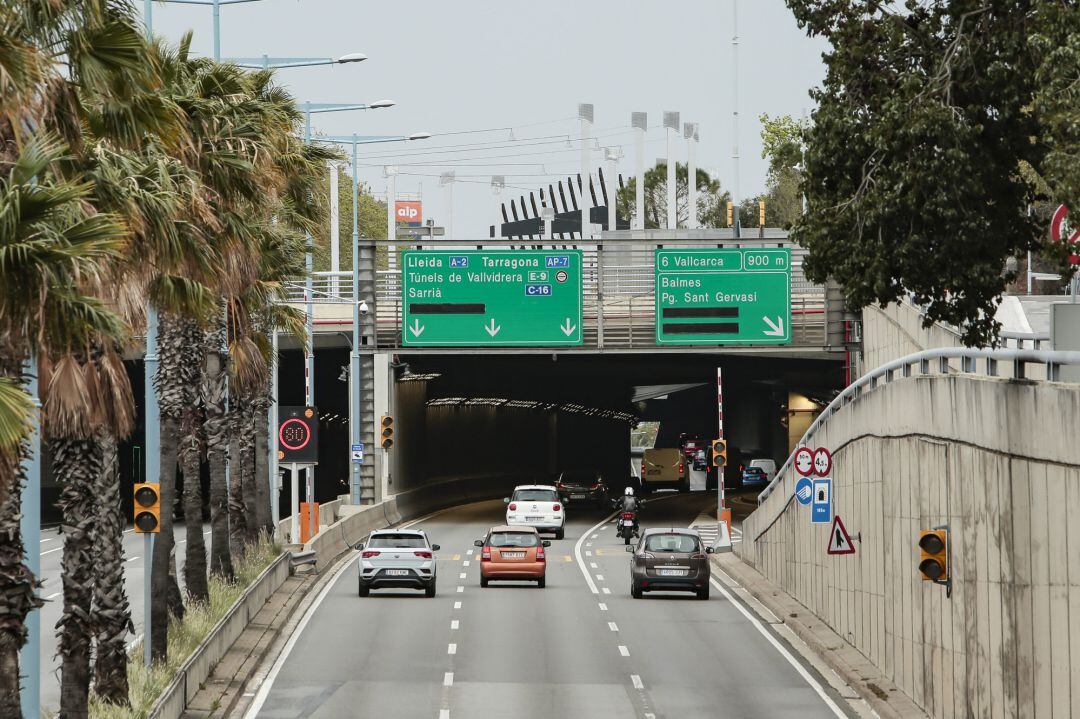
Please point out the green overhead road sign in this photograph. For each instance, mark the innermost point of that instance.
(491, 298)
(723, 296)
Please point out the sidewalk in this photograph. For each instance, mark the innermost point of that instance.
(866, 690)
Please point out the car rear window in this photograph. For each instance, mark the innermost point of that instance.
(579, 477)
(671, 543)
(407, 541)
(514, 539)
(536, 495)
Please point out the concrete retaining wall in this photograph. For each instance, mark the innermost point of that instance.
(999, 462)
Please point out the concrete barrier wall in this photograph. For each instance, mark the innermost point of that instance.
(896, 331)
(998, 461)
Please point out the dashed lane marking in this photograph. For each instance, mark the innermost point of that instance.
(638, 684)
(588, 544)
(588, 553)
(599, 577)
(132, 559)
(457, 605)
(457, 557)
(448, 680)
(624, 651)
(451, 649)
(460, 589)
(593, 565)
(613, 626)
(469, 552)
(462, 575)
(455, 624)
(465, 563)
(52, 596)
(595, 536)
(607, 591)
(444, 714)
(603, 607)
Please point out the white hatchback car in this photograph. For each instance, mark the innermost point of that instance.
(536, 505)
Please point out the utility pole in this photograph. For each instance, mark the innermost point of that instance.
(671, 126)
(735, 198)
(585, 113)
(640, 123)
(690, 132)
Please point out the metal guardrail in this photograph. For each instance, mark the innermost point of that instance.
(930, 362)
(617, 283)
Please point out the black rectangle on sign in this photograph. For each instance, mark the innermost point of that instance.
(701, 328)
(447, 308)
(673, 312)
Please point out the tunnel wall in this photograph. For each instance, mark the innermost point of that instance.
(997, 461)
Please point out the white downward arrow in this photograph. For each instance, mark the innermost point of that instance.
(492, 328)
(416, 328)
(776, 329)
(567, 328)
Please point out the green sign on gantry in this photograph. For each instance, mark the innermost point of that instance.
(491, 298)
(723, 296)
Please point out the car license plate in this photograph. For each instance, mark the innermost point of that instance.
(578, 496)
(397, 572)
(534, 519)
(672, 572)
(513, 555)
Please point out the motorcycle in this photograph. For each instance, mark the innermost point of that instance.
(627, 526)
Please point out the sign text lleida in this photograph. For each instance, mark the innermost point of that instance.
(491, 298)
(723, 296)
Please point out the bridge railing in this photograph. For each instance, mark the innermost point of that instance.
(1013, 363)
(618, 291)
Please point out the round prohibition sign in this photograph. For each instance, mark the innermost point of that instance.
(804, 461)
(822, 462)
(561, 276)
(294, 434)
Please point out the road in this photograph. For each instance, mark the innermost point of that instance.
(52, 544)
(519, 651)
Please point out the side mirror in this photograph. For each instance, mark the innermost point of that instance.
(506, 500)
(359, 546)
(478, 543)
(630, 548)
(435, 547)
(546, 542)
(708, 550)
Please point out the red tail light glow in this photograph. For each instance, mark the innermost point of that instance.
(681, 467)
(485, 554)
(540, 557)
(423, 553)
(369, 554)
(513, 506)
(595, 486)
(627, 515)
(556, 507)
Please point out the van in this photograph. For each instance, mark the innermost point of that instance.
(765, 469)
(663, 468)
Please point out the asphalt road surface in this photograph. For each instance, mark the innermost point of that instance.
(52, 544)
(579, 648)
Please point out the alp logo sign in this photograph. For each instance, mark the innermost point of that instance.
(409, 213)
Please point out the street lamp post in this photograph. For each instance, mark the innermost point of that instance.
(354, 356)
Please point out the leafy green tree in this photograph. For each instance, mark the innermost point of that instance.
(711, 200)
(913, 159)
(372, 220)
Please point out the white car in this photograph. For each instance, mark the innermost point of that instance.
(536, 505)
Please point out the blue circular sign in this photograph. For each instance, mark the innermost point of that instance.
(804, 491)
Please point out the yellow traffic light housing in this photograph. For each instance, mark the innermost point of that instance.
(761, 213)
(386, 433)
(147, 508)
(719, 452)
(934, 555)
(730, 214)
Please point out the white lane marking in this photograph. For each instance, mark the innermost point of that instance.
(603, 607)
(48, 539)
(346, 563)
(444, 714)
(132, 559)
(637, 681)
(607, 591)
(448, 680)
(605, 526)
(613, 626)
(594, 565)
(588, 544)
(51, 551)
(462, 575)
(595, 536)
(599, 577)
(814, 684)
(457, 605)
(455, 624)
(451, 649)
(465, 563)
(588, 554)
(469, 552)
(52, 596)
(460, 589)
(624, 651)
(581, 562)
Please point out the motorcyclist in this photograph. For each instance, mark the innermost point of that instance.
(629, 503)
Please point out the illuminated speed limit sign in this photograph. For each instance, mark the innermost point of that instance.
(298, 435)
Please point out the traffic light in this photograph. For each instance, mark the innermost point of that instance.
(730, 214)
(934, 559)
(719, 452)
(298, 435)
(147, 508)
(386, 434)
(761, 213)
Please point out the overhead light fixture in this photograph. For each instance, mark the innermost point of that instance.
(352, 57)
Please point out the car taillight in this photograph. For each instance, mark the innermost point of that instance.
(423, 553)
(369, 554)
(513, 506)
(595, 486)
(741, 468)
(540, 554)
(627, 515)
(485, 554)
(555, 507)
(681, 467)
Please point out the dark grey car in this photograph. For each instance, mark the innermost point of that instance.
(667, 560)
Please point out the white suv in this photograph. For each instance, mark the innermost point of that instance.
(536, 505)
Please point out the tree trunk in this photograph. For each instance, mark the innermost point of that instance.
(76, 464)
(237, 525)
(18, 587)
(264, 485)
(173, 598)
(111, 615)
(215, 430)
(191, 448)
(246, 439)
(163, 545)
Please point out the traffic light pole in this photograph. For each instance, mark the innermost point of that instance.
(721, 510)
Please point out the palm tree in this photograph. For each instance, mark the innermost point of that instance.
(191, 453)
(212, 392)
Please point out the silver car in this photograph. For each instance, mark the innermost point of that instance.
(397, 558)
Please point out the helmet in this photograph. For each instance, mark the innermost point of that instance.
(629, 492)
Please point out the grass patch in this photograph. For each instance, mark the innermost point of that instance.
(147, 684)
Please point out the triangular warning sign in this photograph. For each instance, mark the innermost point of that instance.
(839, 539)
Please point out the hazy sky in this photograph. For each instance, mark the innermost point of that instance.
(471, 65)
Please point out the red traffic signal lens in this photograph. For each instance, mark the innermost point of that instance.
(146, 497)
(931, 544)
(146, 521)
